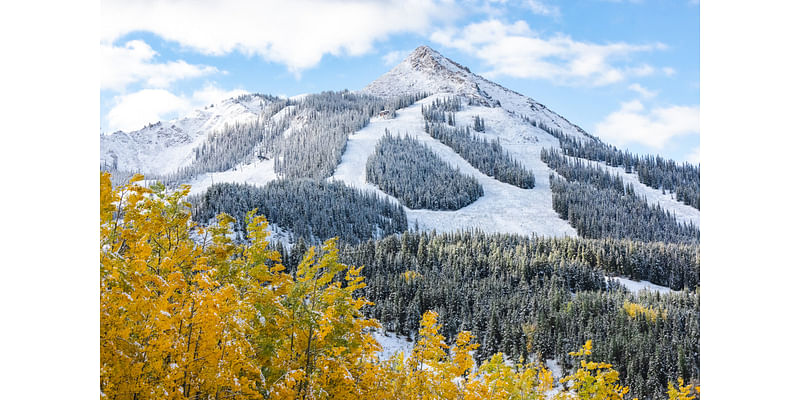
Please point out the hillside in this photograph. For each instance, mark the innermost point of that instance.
(523, 127)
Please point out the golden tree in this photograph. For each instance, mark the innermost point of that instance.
(174, 312)
(593, 380)
(187, 313)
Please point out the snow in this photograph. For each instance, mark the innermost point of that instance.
(682, 212)
(163, 147)
(254, 173)
(555, 368)
(392, 343)
(635, 286)
(425, 70)
(503, 208)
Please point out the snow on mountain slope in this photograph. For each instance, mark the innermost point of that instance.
(164, 147)
(682, 212)
(502, 208)
(255, 173)
(252, 170)
(636, 286)
(425, 70)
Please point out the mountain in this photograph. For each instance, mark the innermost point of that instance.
(335, 135)
(164, 146)
(426, 70)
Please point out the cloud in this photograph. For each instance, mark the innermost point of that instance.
(668, 71)
(540, 8)
(132, 111)
(295, 33)
(135, 110)
(644, 92)
(632, 123)
(515, 50)
(133, 62)
(211, 94)
(392, 58)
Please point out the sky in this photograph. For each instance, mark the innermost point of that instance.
(627, 71)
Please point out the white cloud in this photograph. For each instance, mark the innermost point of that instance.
(132, 111)
(211, 94)
(135, 110)
(296, 33)
(393, 57)
(632, 123)
(515, 50)
(541, 8)
(643, 91)
(133, 62)
(668, 71)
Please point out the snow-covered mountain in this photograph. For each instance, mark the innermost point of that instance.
(163, 147)
(425, 70)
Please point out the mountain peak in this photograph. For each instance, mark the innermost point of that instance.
(424, 57)
(426, 70)
(422, 53)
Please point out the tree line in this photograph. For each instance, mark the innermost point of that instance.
(654, 171)
(486, 156)
(598, 213)
(415, 175)
(314, 210)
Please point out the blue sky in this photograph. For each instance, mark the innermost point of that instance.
(627, 71)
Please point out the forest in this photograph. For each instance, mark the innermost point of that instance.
(601, 213)
(415, 175)
(598, 205)
(187, 312)
(486, 156)
(654, 171)
(314, 210)
(543, 297)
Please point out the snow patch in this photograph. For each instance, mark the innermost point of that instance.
(255, 173)
(635, 286)
(392, 343)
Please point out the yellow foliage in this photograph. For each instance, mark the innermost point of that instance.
(636, 310)
(185, 312)
(434, 371)
(172, 325)
(188, 313)
(593, 380)
(410, 276)
(682, 392)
